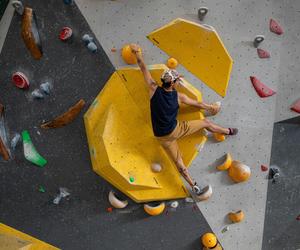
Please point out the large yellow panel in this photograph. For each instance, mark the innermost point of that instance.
(122, 144)
(199, 49)
(12, 239)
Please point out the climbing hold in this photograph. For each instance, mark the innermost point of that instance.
(131, 178)
(236, 217)
(113, 50)
(202, 13)
(66, 117)
(209, 240)
(30, 33)
(225, 229)
(155, 209)
(261, 89)
(63, 192)
(18, 6)
(258, 40)
(274, 174)
(275, 27)
(156, 167)
(219, 137)
(109, 209)
(128, 56)
(68, 2)
(37, 94)
(296, 106)
(15, 140)
(174, 204)
(3, 149)
(92, 47)
(20, 80)
(30, 152)
(239, 172)
(172, 63)
(263, 53)
(42, 189)
(226, 163)
(87, 39)
(65, 34)
(207, 193)
(298, 217)
(115, 201)
(46, 87)
(264, 168)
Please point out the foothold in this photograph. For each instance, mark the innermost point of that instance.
(30, 152)
(207, 193)
(155, 209)
(258, 40)
(274, 174)
(128, 56)
(115, 201)
(219, 137)
(18, 6)
(263, 53)
(189, 200)
(174, 204)
(226, 163)
(113, 50)
(92, 47)
(65, 34)
(296, 106)
(87, 39)
(30, 33)
(225, 229)
(264, 168)
(46, 87)
(209, 240)
(156, 167)
(261, 89)
(63, 192)
(68, 2)
(239, 172)
(172, 63)
(15, 140)
(109, 209)
(37, 94)
(42, 189)
(275, 27)
(131, 178)
(202, 13)
(66, 117)
(236, 217)
(20, 80)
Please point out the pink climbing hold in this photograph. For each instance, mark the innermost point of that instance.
(275, 27)
(263, 53)
(296, 106)
(261, 89)
(264, 168)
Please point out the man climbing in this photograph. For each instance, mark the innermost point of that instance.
(164, 104)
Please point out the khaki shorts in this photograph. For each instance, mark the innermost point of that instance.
(169, 142)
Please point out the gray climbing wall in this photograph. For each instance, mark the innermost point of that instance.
(237, 22)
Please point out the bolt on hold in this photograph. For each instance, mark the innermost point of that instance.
(202, 13)
(274, 174)
(258, 40)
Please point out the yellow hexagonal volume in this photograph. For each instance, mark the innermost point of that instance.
(11, 238)
(121, 142)
(199, 49)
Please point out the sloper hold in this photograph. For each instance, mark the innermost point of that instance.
(261, 89)
(275, 27)
(296, 106)
(263, 53)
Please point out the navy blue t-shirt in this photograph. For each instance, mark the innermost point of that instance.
(164, 109)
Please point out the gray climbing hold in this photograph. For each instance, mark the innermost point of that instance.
(92, 47)
(258, 40)
(15, 140)
(45, 87)
(202, 13)
(18, 6)
(37, 94)
(87, 39)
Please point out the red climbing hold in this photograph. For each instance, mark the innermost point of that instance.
(264, 168)
(263, 53)
(20, 80)
(65, 33)
(298, 217)
(261, 89)
(275, 27)
(296, 106)
(109, 209)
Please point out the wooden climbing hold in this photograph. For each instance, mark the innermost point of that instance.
(263, 53)
(66, 117)
(275, 27)
(296, 106)
(261, 89)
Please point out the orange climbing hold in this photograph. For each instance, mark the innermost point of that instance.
(128, 56)
(172, 63)
(239, 172)
(261, 89)
(219, 137)
(275, 27)
(296, 106)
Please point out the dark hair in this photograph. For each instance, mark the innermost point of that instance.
(165, 85)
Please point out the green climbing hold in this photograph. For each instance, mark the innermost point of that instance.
(131, 179)
(30, 152)
(42, 189)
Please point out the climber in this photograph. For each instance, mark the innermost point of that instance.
(164, 104)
